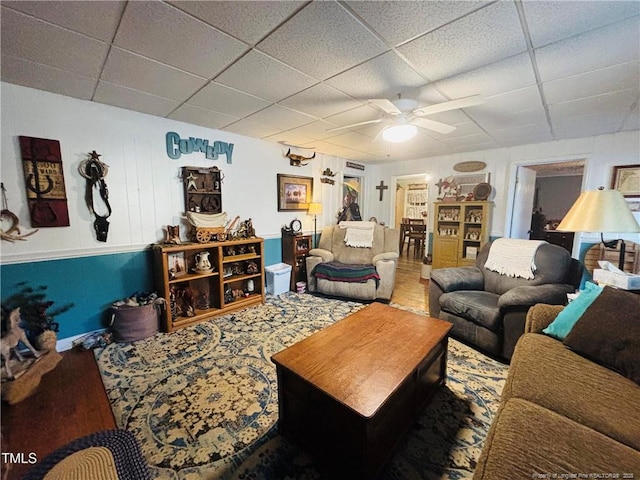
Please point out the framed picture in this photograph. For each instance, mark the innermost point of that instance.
(626, 179)
(176, 264)
(294, 192)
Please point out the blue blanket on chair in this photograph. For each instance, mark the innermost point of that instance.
(341, 272)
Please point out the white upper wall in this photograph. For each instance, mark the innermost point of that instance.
(146, 193)
(145, 190)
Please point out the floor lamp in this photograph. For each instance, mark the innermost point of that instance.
(315, 209)
(604, 211)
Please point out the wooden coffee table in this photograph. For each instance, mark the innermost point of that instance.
(350, 392)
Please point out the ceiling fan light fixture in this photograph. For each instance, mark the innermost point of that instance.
(399, 133)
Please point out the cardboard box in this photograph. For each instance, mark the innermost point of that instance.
(625, 281)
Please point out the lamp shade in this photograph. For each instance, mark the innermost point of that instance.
(315, 209)
(600, 211)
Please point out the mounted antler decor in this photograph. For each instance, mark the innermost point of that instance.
(296, 160)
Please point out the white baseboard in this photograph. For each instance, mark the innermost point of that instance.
(65, 344)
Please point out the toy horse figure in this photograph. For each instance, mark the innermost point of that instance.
(12, 338)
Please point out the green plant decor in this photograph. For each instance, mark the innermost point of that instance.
(35, 310)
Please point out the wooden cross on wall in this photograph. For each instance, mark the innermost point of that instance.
(382, 187)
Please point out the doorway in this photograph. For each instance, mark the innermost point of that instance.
(542, 194)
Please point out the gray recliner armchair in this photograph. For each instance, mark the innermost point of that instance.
(380, 258)
(488, 309)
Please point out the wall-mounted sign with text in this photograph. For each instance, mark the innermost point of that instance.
(176, 147)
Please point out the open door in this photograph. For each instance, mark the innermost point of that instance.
(523, 202)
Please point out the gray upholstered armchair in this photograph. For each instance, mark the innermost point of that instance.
(488, 309)
(353, 269)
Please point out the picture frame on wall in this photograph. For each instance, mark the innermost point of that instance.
(626, 179)
(294, 193)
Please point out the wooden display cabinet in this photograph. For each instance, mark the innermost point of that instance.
(295, 250)
(460, 230)
(236, 279)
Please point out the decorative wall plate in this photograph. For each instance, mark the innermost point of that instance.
(482, 191)
(469, 166)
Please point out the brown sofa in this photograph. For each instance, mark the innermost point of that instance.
(561, 414)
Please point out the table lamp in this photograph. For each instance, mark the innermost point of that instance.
(315, 209)
(604, 211)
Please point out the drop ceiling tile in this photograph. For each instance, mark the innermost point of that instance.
(523, 134)
(94, 19)
(356, 115)
(416, 18)
(617, 103)
(381, 77)
(130, 99)
(510, 74)
(633, 120)
(221, 98)
(140, 73)
(283, 117)
(320, 101)
(586, 125)
(251, 128)
(247, 21)
(159, 31)
(200, 116)
(265, 77)
(350, 139)
(37, 41)
(556, 20)
(486, 36)
(315, 130)
(322, 40)
(609, 79)
(478, 139)
(289, 139)
(36, 75)
(590, 51)
(520, 107)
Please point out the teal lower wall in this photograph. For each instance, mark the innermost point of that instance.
(92, 283)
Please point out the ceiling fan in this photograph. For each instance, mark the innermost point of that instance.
(403, 117)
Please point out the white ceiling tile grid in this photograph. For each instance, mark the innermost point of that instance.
(289, 71)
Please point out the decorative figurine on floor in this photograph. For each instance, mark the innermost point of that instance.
(173, 234)
(11, 339)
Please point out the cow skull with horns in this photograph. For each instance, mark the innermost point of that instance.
(296, 160)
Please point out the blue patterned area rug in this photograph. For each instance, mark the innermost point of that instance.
(202, 401)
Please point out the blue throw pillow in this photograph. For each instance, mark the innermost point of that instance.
(568, 317)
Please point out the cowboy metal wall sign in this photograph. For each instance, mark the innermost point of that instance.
(44, 178)
(176, 147)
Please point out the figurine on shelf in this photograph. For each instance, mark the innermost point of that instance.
(251, 249)
(242, 249)
(184, 296)
(173, 234)
(228, 295)
(229, 251)
(252, 267)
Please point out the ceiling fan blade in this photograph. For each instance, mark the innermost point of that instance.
(355, 125)
(378, 137)
(385, 105)
(432, 125)
(451, 105)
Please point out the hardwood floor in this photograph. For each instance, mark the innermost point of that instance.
(71, 401)
(410, 290)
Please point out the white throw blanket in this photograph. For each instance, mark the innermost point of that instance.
(513, 257)
(359, 234)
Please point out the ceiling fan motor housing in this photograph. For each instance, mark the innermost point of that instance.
(405, 105)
